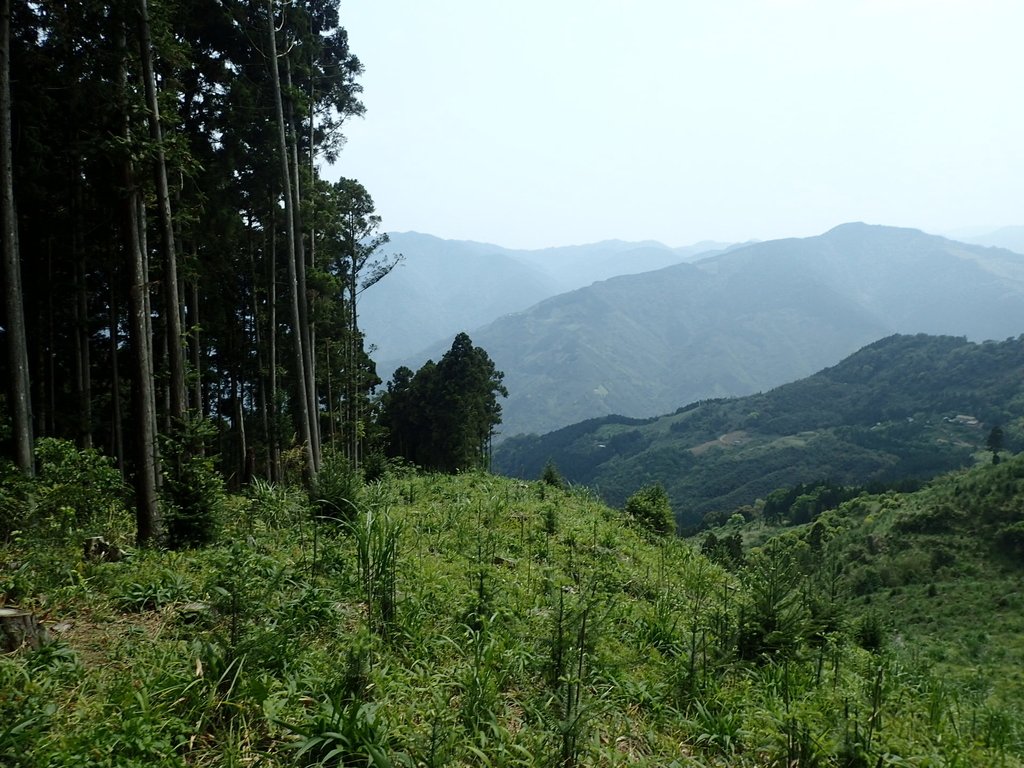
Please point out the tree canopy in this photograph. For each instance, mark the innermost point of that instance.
(171, 253)
(443, 416)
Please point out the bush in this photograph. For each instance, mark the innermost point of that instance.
(74, 486)
(12, 503)
(193, 489)
(337, 489)
(650, 509)
(551, 476)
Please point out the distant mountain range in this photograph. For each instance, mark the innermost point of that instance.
(442, 287)
(902, 407)
(1011, 238)
(741, 321)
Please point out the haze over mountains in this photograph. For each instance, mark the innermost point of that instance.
(733, 323)
(442, 287)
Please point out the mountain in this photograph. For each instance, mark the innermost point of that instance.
(1011, 238)
(886, 413)
(442, 287)
(741, 321)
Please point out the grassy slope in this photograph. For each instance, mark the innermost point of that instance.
(527, 626)
(933, 568)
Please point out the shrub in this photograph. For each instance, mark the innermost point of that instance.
(551, 476)
(650, 509)
(337, 489)
(82, 485)
(870, 633)
(193, 489)
(12, 505)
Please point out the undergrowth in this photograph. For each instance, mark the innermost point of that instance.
(473, 620)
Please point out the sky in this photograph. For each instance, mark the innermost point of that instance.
(536, 123)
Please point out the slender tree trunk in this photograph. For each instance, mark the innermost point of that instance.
(197, 354)
(117, 426)
(83, 378)
(172, 304)
(308, 347)
(257, 334)
(238, 395)
(147, 512)
(354, 357)
(17, 343)
(298, 331)
(274, 436)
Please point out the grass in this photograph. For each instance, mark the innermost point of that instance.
(475, 620)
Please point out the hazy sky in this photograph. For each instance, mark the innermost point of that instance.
(530, 123)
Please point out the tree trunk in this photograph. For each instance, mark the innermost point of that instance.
(197, 372)
(17, 344)
(172, 304)
(309, 356)
(115, 374)
(147, 511)
(273, 435)
(298, 331)
(83, 375)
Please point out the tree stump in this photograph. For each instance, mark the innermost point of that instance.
(97, 549)
(18, 628)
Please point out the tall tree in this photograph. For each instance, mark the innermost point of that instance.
(353, 242)
(146, 466)
(444, 416)
(172, 304)
(299, 330)
(17, 344)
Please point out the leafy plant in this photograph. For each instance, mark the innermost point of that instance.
(341, 733)
(193, 489)
(74, 487)
(338, 488)
(377, 537)
(551, 476)
(650, 509)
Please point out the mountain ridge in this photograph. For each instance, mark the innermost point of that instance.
(879, 414)
(742, 321)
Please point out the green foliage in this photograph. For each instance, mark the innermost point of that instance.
(551, 476)
(74, 487)
(193, 489)
(12, 499)
(775, 619)
(727, 551)
(1011, 539)
(337, 489)
(377, 535)
(443, 417)
(650, 509)
(450, 628)
(340, 733)
(277, 506)
(870, 632)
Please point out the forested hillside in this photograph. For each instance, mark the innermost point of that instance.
(448, 286)
(743, 321)
(884, 414)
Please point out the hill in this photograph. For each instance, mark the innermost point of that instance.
(742, 321)
(885, 413)
(475, 620)
(442, 287)
(939, 564)
(1010, 238)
